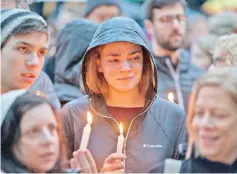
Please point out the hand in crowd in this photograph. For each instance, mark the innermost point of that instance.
(83, 160)
(114, 163)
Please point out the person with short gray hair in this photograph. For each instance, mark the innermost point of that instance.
(225, 51)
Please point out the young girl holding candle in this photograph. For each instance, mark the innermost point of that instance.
(120, 80)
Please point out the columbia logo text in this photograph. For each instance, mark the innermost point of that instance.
(152, 146)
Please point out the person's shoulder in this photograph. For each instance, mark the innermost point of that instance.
(77, 103)
(169, 108)
(77, 106)
(163, 104)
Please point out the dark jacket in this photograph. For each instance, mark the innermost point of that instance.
(45, 86)
(200, 165)
(72, 43)
(9, 164)
(152, 135)
(177, 80)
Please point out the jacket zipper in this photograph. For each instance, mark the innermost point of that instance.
(175, 76)
(130, 125)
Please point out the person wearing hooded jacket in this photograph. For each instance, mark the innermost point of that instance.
(77, 33)
(120, 80)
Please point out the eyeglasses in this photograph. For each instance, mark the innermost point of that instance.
(170, 19)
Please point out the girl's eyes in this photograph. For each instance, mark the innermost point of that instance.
(52, 128)
(117, 60)
(135, 58)
(220, 116)
(113, 61)
(22, 49)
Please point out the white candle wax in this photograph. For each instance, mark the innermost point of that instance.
(120, 140)
(86, 133)
(120, 143)
(85, 137)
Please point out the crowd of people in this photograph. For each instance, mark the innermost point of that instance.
(162, 96)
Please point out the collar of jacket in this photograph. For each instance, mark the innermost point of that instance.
(98, 105)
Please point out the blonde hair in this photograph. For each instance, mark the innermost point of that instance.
(226, 43)
(225, 78)
(96, 82)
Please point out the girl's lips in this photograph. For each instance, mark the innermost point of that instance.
(48, 156)
(125, 78)
(209, 140)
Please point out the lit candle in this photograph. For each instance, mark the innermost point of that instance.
(171, 97)
(37, 93)
(120, 140)
(86, 132)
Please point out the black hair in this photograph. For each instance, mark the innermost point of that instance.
(10, 131)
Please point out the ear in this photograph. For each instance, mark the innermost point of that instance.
(149, 27)
(98, 65)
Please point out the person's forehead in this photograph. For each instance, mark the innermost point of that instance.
(34, 116)
(36, 39)
(167, 10)
(210, 95)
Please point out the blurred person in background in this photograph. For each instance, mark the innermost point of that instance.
(218, 25)
(72, 43)
(165, 21)
(24, 45)
(63, 14)
(31, 138)
(212, 7)
(101, 10)
(195, 28)
(212, 120)
(222, 23)
(201, 51)
(24, 4)
(225, 51)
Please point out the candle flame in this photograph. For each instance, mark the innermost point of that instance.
(171, 97)
(37, 93)
(121, 128)
(89, 117)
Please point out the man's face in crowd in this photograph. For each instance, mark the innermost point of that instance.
(103, 12)
(168, 26)
(22, 59)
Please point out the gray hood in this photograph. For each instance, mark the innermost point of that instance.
(152, 135)
(115, 30)
(72, 43)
